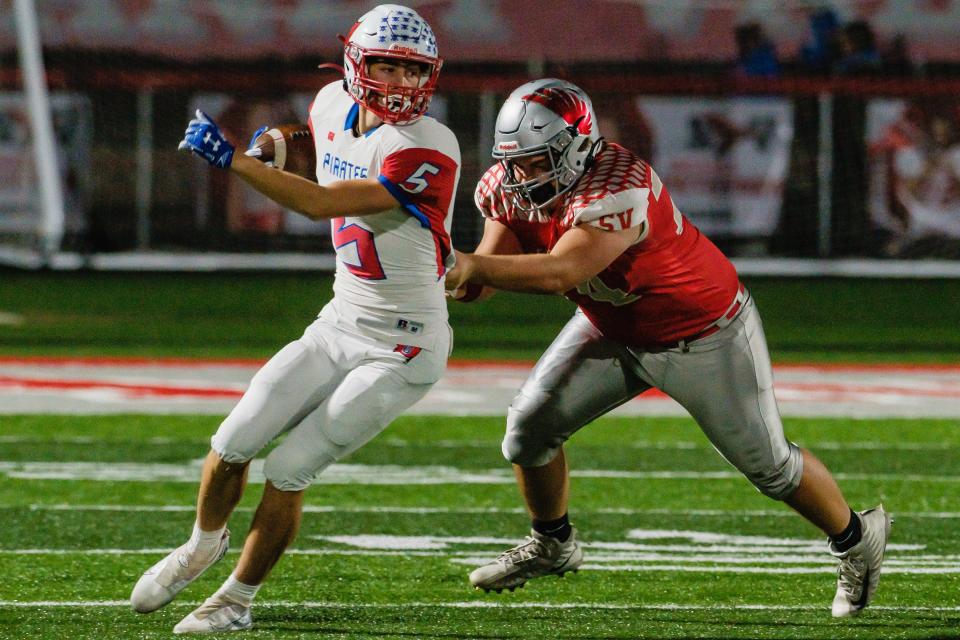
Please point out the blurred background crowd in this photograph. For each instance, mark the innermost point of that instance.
(787, 129)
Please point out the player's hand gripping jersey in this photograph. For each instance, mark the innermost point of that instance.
(390, 266)
(670, 285)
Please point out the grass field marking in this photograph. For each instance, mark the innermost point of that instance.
(10, 319)
(693, 542)
(456, 364)
(466, 555)
(727, 475)
(719, 513)
(874, 393)
(95, 440)
(377, 474)
(401, 443)
(643, 550)
(684, 445)
(832, 569)
(166, 550)
(708, 563)
(105, 388)
(881, 446)
(482, 604)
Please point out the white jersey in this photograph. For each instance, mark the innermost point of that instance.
(390, 265)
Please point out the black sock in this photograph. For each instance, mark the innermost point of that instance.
(850, 536)
(559, 528)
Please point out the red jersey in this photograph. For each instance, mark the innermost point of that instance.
(671, 284)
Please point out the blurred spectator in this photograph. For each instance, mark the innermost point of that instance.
(895, 59)
(756, 55)
(857, 49)
(820, 52)
(920, 156)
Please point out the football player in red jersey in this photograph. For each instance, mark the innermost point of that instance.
(658, 306)
(386, 175)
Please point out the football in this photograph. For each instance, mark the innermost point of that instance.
(288, 147)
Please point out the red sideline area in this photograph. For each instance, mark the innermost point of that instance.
(134, 389)
(122, 361)
(825, 390)
(18, 382)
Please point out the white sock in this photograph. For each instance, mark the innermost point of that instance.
(238, 592)
(204, 540)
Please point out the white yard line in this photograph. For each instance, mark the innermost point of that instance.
(486, 444)
(676, 561)
(640, 445)
(482, 604)
(10, 319)
(389, 475)
(708, 513)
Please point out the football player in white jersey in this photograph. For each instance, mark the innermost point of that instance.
(386, 178)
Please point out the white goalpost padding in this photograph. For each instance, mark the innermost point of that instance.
(51, 227)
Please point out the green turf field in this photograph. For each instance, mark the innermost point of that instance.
(679, 546)
(253, 315)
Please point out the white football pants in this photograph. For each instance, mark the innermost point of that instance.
(331, 392)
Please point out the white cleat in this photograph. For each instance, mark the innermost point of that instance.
(538, 555)
(215, 615)
(161, 583)
(859, 571)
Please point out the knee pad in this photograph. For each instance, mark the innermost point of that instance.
(526, 453)
(527, 443)
(293, 468)
(293, 475)
(230, 447)
(781, 482)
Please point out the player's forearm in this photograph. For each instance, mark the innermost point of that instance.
(286, 189)
(540, 273)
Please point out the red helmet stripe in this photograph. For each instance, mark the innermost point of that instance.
(352, 29)
(566, 104)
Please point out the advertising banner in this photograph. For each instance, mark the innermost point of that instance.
(723, 161)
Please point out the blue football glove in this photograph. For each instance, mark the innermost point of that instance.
(203, 137)
(256, 134)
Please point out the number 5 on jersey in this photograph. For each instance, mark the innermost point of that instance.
(417, 182)
(366, 264)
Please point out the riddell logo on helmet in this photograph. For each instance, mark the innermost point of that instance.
(508, 146)
(402, 49)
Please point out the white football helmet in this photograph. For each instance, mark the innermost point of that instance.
(545, 117)
(390, 31)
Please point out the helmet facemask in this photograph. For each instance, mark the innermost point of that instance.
(570, 155)
(550, 118)
(392, 103)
